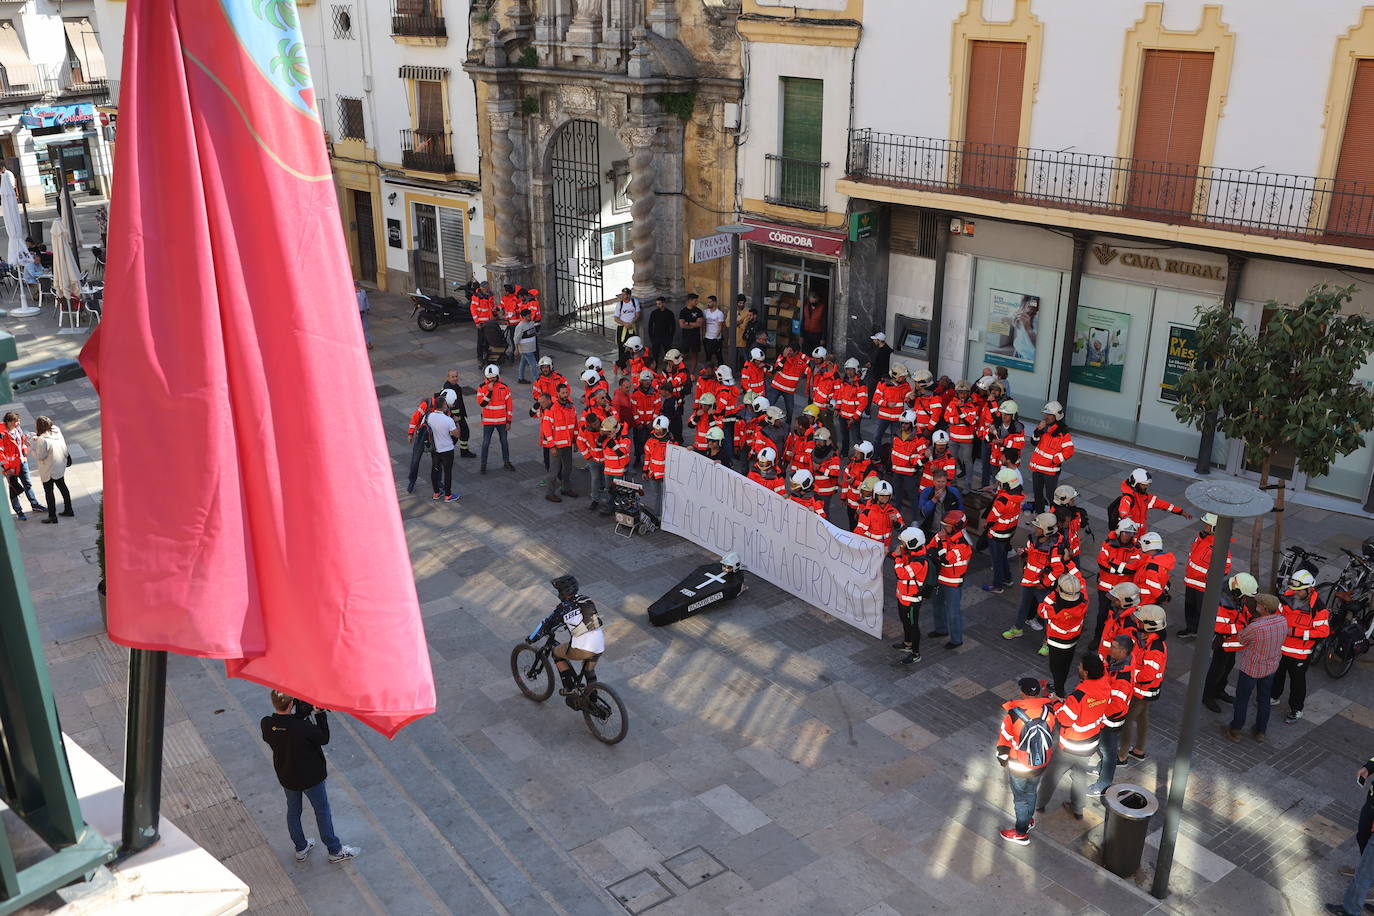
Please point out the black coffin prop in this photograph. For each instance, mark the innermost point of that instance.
(706, 587)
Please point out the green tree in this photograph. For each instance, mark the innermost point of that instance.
(1291, 385)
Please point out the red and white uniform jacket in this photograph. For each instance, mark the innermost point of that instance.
(558, 425)
(678, 378)
(481, 307)
(878, 521)
(1082, 714)
(655, 457)
(498, 408)
(1137, 506)
(637, 364)
(1307, 620)
(855, 473)
(1005, 445)
(1052, 449)
(947, 461)
(1149, 658)
(1009, 736)
(1199, 559)
(1116, 562)
(890, 399)
(616, 452)
(954, 553)
(1152, 576)
(1045, 562)
(646, 405)
(1004, 513)
(1231, 619)
(1117, 623)
(962, 418)
(752, 377)
(1063, 619)
(1123, 691)
(746, 434)
(907, 455)
(851, 399)
(912, 568)
(728, 404)
(929, 411)
(702, 420)
(789, 372)
(589, 391)
(770, 479)
(589, 433)
(827, 473)
(417, 417)
(809, 502)
(547, 384)
(1072, 521)
(825, 382)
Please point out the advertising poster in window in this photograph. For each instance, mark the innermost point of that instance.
(1099, 348)
(1013, 327)
(1181, 357)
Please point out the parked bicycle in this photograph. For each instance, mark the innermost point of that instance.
(1294, 559)
(600, 706)
(1351, 602)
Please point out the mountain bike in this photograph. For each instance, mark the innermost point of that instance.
(1352, 616)
(1294, 559)
(532, 668)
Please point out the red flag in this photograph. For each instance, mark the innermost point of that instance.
(250, 512)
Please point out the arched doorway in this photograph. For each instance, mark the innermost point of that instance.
(590, 223)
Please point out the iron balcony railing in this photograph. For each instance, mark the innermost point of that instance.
(793, 182)
(427, 151)
(97, 89)
(1242, 200)
(26, 82)
(418, 19)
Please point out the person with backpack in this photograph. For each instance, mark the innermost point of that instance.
(1080, 719)
(417, 434)
(1025, 746)
(1136, 501)
(441, 432)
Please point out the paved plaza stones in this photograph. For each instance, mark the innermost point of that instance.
(778, 761)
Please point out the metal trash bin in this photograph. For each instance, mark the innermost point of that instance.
(1129, 809)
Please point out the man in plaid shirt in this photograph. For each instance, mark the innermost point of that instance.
(1262, 647)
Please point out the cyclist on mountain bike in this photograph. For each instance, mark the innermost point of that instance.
(579, 615)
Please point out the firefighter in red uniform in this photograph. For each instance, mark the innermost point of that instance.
(825, 461)
(1063, 611)
(905, 459)
(855, 473)
(999, 524)
(939, 458)
(851, 398)
(952, 548)
(1053, 447)
(1136, 501)
(1155, 569)
(1121, 675)
(703, 418)
(656, 465)
(1308, 622)
(1046, 561)
(765, 473)
(1117, 559)
(480, 307)
(1233, 614)
(789, 375)
(961, 418)
(557, 431)
(546, 382)
(1080, 724)
(914, 582)
(801, 490)
(879, 518)
(646, 404)
(796, 450)
(589, 444)
(753, 375)
(1026, 743)
(616, 453)
(676, 373)
(728, 407)
(889, 399)
(1124, 598)
(1006, 439)
(825, 384)
(1072, 519)
(592, 382)
(1195, 576)
(498, 412)
(930, 410)
(1149, 660)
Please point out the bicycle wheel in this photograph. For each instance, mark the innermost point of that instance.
(534, 676)
(604, 714)
(1335, 664)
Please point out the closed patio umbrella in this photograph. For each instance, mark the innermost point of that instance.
(14, 229)
(66, 278)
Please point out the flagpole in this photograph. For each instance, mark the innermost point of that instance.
(143, 750)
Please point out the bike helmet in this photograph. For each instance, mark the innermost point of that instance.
(819, 353)
(851, 363)
(912, 538)
(1302, 579)
(565, 586)
(882, 488)
(865, 448)
(590, 377)
(715, 434)
(1244, 584)
(731, 563)
(1008, 408)
(634, 344)
(1064, 494)
(1151, 540)
(592, 363)
(756, 354)
(803, 479)
(492, 371)
(1127, 593)
(1009, 476)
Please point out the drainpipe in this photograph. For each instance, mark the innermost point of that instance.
(1234, 265)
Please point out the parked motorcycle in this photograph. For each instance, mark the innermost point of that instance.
(432, 311)
(1351, 603)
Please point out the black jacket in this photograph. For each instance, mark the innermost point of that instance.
(460, 409)
(662, 326)
(297, 748)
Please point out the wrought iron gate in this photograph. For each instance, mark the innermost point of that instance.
(576, 167)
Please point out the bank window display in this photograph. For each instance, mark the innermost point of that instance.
(1107, 363)
(1015, 314)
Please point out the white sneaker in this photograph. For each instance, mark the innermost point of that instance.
(345, 852)
(302, 853)
(1036, 624)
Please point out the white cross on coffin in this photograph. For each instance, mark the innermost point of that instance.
(712, 577)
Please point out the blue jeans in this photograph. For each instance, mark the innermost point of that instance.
(906, 487)
(530, 360)
(1260, 686)
(1358, 888)
(998, 548)
(883, 427)
(598, 482)
(782, 399)
(367, 332)
(1109, 743)
(952, 614)
(1030, 600)
(486, 442)
(1023, 789)
(324, 819)
(25, 487)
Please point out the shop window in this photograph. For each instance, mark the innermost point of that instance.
(615, 241)
(351, 125)
(1170, 123)
(1352, 209)
(992, 121)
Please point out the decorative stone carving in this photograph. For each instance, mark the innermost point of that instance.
(503, 184)
(640, 142)
(577, 99)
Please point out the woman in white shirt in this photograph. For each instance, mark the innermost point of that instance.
(51, 451)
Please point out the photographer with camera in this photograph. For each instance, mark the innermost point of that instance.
(298, 757)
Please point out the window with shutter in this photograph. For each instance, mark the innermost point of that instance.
(799, 175)
(429, 106)
(452, 247)
(1351, 210)
(992, 118)
(1171, 119)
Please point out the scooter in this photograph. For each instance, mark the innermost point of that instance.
(432, 311)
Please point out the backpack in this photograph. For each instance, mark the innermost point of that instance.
(1037, 736)
(1113, 514)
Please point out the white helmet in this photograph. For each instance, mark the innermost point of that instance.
(803, 479)
(1244, 584)
(767, 456)
(590, 377)
(1209, 519)
(1301, 579)
(715, 434)
(1008, 408)
(546, 361)
(634, 344)
(592, 363)
(939, 437)
(1139, 476)
(757, 354)
(492, 371)
(724, 375)
(1054, 409)
(851, 363)
(1046, 522)
(865, 448)
(882, 488)
(1069, 586)
(898, 371)
(673, 356)
(912, 538)
(1009, 476)
(1127, 526)
(1064, 494)
(821, 435)
(707, 398)
(731, 562)
(984, 382)
(775, 413)
(1128, 593)
(909, 416)
(1151, 540)
(923, 377)
(819, 353)
(660, 422)
(760, 403)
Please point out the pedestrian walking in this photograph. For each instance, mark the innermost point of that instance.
(1026, 744)
(1261, 649)
(298, 758)
(417, 434)
(498, 412)
(442, 433)
(14, 456)
(1080, 719)
(627, 310)
(364, 307)
(50, 450)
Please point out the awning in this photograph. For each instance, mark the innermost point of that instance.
(13, 56)
(86, 46)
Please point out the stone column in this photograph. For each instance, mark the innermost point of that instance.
(640, 141)
(509, 249)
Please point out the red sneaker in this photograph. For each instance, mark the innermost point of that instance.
(1011, 836)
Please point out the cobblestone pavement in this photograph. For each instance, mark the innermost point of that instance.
(777, 761)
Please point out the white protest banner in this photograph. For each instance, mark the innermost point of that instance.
(778, 540)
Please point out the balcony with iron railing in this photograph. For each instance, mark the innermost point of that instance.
(1238, 200)
(793, 182)
(427, 151)
(417, 19)
(25, 82)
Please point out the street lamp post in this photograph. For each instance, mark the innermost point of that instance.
(1229, 501)
(734, 230)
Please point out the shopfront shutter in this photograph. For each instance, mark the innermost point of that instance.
(452, 246)
(86, 46)
(1170, 121)
(992, 118)
(1351, 210)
